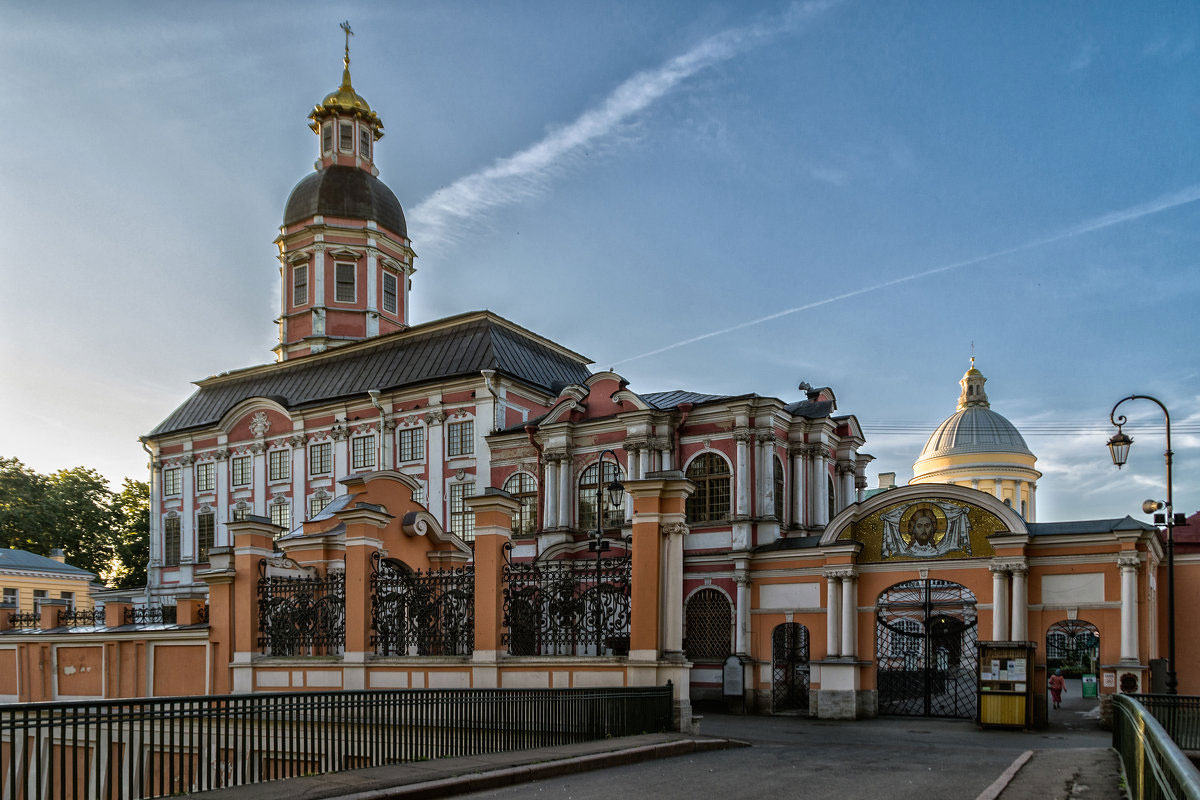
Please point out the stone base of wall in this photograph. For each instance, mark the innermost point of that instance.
(845, 703)
(866, 702)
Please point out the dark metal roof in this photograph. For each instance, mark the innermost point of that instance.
(345, 192)
(790, 543)
(1086, 526)
(672, 399)
(423, 354)
(23, 559)
(810, 409)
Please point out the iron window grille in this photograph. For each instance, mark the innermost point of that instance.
(171, 537)
(299, 284)
(421, 613)
(614, 517)
(317, 504)
(206, 477)
(389, 293)
(205, 535)
(566, 608)
(344, 290)
(279, 465)
(460, 438)
(362, 452)
(172, 481)
(523, 487)
(320, 459)
(281, 516)
(462, 519)
(412, 444)
(303, 616)
(708, 627)
(710, 501)
(240, 470)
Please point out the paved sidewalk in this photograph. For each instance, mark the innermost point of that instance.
(1086, 773)
(447, 777)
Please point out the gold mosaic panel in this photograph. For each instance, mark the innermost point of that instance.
(870, 530)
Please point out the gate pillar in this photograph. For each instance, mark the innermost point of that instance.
(494, 511)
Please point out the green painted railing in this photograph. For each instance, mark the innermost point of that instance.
(1155, 766)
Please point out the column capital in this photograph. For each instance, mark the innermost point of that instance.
(1129, 561)
(634, 444)
(841, 573)
(674, 529)
(742, 435)
(765, 437)
(741, 579)
(660, 443)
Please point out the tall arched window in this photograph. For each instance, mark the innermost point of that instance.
(708, 626)
(613, 517)
(523, 487)
(710, 501)
(832, 500)
(779, 498)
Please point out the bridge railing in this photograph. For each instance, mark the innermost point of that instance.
(1155, 766)
(1178, 714)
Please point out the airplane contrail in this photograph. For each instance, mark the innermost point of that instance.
(1164, 203)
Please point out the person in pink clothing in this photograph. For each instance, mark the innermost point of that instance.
(1058, 685)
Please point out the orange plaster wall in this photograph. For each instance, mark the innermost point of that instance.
(8, 672)
(80, 671)
(1187, 607)
(179, 670)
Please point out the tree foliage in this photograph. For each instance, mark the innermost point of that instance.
(74, 509)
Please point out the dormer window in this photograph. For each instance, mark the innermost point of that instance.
(327, 138)
(345, 137)
(389, 293)
(364, 142)
(343, 280)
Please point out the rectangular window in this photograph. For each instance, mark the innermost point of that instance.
(239, 514)
(206, 477)
(389, 293)
(362, 452)
(40, 594)
(327, 138)
(171, 541)
(320, 459)
(412, 444)
(172, 481)
(241, 470)
(280, 465)
(364, 142)
(343, 280)
(419, 495)
(300, 285)
(316, 505)
(70, 598)
(460, 438)
(12, 596)
(281, 515)
(462, 519)
(206, 527)
(345, 137)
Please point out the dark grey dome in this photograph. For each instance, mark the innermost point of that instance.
(345, 192)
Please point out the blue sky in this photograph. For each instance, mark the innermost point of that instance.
(621, 177)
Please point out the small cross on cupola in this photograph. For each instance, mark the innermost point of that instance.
(346, 127)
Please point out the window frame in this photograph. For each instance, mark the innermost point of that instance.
(299, 271)
(364, 142)
(395, 293)
(206, 529)
(207, 470)
(355, 463)
(172, 541)
(454, 436)
(323, 500)
(338, 283)
(327, 138)
(415, 437)
(282, 456)
(525, 493)
(326, 459)
(462, 519)
(705, 485)
(172, 481)
(345, 134)
(585, 495)
(284, 510)
(780, 479)
(235, 467)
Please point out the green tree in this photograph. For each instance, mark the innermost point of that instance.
(24, 514)
(132, 541)
(82, 517)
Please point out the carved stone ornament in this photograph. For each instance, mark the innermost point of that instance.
(221, 455)
(743, 435)
(845, 467)
(708, 444)
(389, 425)
(460, 474)
(842, 573)
(338, 431)
(741, 579)
(257, 447)
(206, 509)
(297, 440)
(259, 424)
(242, 505)
(674, 529)
(186, 459)
(660, 443)
(765, 437)
(172, 515)
(1129, 561)
(286, 565)
(435, 417)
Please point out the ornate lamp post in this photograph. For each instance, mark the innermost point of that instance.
(1118, 446)
(599, 545)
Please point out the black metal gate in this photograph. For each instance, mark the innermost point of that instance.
(789, 667)
(925, 648)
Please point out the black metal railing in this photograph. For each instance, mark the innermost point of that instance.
(158, 747)
(202, 614)
(1155, 766)
(566, 607)
(301, 616)
(1179, 714)
(76, 618)
(150, 615)
(421, 613)
(24, 619)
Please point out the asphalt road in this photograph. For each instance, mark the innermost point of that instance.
(893, 758)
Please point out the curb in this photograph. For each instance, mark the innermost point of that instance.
(509, 776)
(1006, 777)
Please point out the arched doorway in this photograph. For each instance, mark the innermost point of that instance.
(1073, 646)
(925, 649)
(789, 667)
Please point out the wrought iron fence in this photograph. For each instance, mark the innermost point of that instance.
(75, 618)
(421, 613)
(158, 747)
(566, 607)
(202, 614)
(301, 616)
(150, 615)
(24, 619)
(1179, 714)
(1155, 766)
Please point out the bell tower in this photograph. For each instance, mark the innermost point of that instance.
(346, 262)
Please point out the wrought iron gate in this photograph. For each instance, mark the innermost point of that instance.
(925, 648)
(789, 667)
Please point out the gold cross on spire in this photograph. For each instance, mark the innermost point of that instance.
(346, 27)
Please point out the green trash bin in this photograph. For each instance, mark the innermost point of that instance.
(1090, 687)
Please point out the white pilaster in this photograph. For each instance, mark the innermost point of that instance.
(799, 507)
(318, 276)
(566, 499)
(221, 534)
(1128, 564)
(833, 616)
(155, 518)
(766, 444)
(998, 488)
(742, 478)
(1032, 503)
(550, 486)
(187, 539)
(846, 470)
(372, 293)
(820, 488)
(999, 603)
(673, 534)
(643, 461)
(435, 459)
(1020, 605)
(849, 615)
(259, 449)
(742, 634)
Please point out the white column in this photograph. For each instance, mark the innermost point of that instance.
(404, 279)
(742, 634)
(1128, 564)
(372, 293)
(999, 603)
(259, 449)
(435, 459)
(766, 443)
(566, 499)
(1020, 605)
(849, 615)
(820, 488)
(799, 507)
(673, 587)
(187, 538)
(485, 418)
(299, 468)
(664, 457)
(975, 484)
(341, 458)
(643, 461)
(221, 534)
(1032, 503)
(550, 488)
(998, 488)
(318, 276)
(833, 616)
(742, 437)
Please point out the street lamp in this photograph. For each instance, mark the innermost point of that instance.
(1118, 447)
(598, 545)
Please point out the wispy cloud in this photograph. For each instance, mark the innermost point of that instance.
(1168, 201)
(1083, 59)
(445, 214)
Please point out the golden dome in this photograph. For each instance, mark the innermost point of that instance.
(344, 100)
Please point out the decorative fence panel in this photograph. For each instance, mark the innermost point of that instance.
(24, 619)
(158, 747)
(573, 608)
(421, 613)
(75, 618)
(301, 616)
(151, 615)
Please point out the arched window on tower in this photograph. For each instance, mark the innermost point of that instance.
(832, 500)
(523, 487)
(779, 496)
(613, 517)
(710, 501)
